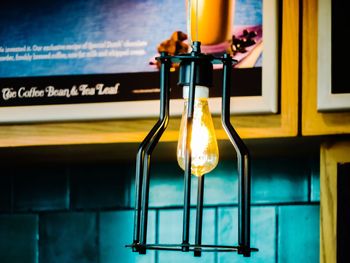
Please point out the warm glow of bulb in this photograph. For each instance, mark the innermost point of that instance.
(204, 147)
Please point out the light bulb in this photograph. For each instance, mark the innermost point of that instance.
(204, 147)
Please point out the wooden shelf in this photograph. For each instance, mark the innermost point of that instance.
(284, 124)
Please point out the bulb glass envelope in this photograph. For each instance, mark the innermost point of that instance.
(195, 69)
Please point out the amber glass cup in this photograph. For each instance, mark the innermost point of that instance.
(211, 21)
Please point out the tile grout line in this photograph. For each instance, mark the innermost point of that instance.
(69, 192)
(12, 193)
(38, 240)
(98, 236)
(128, 192)
(216, 233)
(309, 182)
(277, 232)
(156, 256)
(39, 235)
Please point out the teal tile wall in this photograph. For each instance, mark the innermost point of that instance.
(40, 188)
(68, 237)
(298, 233)
(116, 231)
(220, 185)
(263, 237)
(19, 238)
(315, 180)
(269, 176)
(170, 232)
(98, 186)
(85, 214)
(163, 193)
(5, 193)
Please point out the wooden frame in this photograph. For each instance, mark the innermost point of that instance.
(331, 155)
(314, 122)
(266, 103)
(326, 100)
(284, 124)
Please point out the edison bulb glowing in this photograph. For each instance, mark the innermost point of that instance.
(204, 147)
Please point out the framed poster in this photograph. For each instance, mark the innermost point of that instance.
(333, 91)
(89, 59)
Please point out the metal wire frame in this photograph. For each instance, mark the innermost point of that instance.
(202, 248)
(243, 162)
(143, 158)
(147, 146)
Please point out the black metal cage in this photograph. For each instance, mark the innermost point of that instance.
(193, 62)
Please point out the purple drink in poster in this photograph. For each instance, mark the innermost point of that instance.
(48, 38)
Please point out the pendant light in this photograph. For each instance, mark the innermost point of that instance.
(197, 151)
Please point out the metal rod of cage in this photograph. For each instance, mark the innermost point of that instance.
(199, 216)
(143, 158)
(188, 156)
(243, 159)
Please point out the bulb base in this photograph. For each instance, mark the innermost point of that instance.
(202, 92)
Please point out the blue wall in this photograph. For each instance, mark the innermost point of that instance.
(83, 212)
